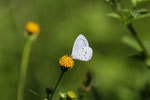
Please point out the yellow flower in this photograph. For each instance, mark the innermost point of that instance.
(32, 27)
(66, 61)
(71, 94)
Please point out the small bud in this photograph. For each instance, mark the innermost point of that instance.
(32, 28)
(45, 99)
(87, 82)
(71, 95)
(85, 86)
(62, 96)
(49, 90)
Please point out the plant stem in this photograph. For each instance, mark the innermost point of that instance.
(134, 33)
(130, 27)
(96, 93)
(47, 96)
(23, 69)
(60, 77)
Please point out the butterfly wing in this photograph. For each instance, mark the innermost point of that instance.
(83, 54)
(79, 43)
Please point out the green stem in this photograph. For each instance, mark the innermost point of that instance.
(47, 96)
(60, 77)
(131, 29)
(134, 33)
(23, 69)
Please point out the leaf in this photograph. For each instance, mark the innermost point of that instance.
(126, 12)
(142, 13)
(114, 15)
(33, 92)
(112, 2)
(131, 15)
(135, 2)
(127, 16)
(139, 56)
(147, 44)
(148, 62)
(131, 43)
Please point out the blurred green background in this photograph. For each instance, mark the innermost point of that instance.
(115, 76)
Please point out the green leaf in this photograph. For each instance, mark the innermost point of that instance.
(135, 2)
(114, 15)
(142, 13)
(113, 1)
(131, 15)
(147, 44)
(126, 12)
(34, 93)
(139, 56)
(148, 62)
(127, 16)
(131, 43)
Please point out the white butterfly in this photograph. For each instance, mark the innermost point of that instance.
(81, 49)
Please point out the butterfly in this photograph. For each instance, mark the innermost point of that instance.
(81, 50)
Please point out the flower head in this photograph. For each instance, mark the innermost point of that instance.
(62, 95)
(32, 27)
(71, 94)
(66, 61)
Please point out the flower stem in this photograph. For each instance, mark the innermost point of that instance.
(60, 77)
(23, 69)
(134, 33)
